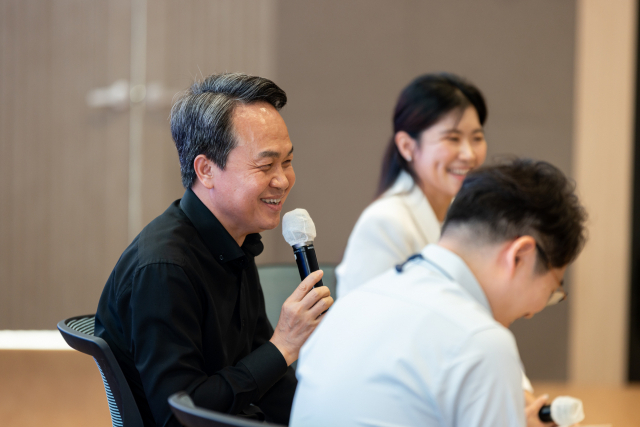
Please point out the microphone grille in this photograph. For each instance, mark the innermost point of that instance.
(298, 227)
(567, 410)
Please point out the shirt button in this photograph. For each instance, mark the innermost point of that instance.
(221, 258)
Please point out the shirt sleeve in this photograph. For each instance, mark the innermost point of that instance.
(275, 402)
(166, 341)
(483, 386)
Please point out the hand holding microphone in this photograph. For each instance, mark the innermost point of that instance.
(564, 411)
(302, 311)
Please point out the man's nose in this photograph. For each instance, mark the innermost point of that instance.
(279, 179)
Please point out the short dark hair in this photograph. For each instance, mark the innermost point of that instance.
(420, 105)
(522, 197)
(201, 119)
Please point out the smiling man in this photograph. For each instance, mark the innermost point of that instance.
(183, 308)
(426, 343)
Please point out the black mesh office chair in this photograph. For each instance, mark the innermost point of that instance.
(192, 416)
(78, 333)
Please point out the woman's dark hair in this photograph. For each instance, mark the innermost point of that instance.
(420, 105)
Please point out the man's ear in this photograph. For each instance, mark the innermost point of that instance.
(206, 171)
(520, 252)
(406, 145)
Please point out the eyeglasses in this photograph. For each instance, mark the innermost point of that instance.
(559, 294)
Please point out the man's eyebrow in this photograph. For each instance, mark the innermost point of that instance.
(272, 154)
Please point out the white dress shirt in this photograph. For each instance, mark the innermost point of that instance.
(399, 224)
(416, 348)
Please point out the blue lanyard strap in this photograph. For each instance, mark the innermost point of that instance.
(419, 256)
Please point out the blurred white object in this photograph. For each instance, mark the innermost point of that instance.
(115, 96)
(297, 227)
(119, 95)
(566, 411)
(32, 340)
(157, 96)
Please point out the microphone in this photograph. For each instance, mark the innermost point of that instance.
(564, 411)
(299, 232)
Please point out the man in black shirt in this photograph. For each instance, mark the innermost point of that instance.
(183, 308)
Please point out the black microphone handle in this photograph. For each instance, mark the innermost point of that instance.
(545, 414)
(307, 261)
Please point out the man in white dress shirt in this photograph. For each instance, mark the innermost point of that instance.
(426, 343)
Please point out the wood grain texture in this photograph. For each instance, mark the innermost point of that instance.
(51, 388)
(616, 406)
(64, 388)
(64, 167)
(64, 188)
(603, 144)
(343, 65)
(187, 41)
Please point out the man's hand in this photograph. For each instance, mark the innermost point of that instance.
(532, 409)
(300, 315)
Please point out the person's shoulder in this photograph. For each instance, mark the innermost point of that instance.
(491, 352)
(386, 206)
(470, 317)
(387, 212)
(440, 301)
(493, 337)
(168, 238)
(488, 341)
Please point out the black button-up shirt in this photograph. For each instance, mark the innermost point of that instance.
(183, 310)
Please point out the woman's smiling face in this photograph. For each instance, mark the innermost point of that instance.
(448, 150)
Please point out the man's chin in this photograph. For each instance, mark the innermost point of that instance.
(271, 225)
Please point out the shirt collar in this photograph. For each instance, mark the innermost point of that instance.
(456, 269)
(403, 184)
(417, 206)
(218, 240)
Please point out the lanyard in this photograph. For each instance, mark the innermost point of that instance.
(419, 256)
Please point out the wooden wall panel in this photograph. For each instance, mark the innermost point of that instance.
(343, 65)
(63, 215)
(603, 163)
(188, 40)
(64, 166)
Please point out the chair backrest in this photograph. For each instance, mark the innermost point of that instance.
(279, 281)
(191, 415)
(78, 333)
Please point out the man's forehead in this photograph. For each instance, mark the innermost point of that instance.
(260, 131)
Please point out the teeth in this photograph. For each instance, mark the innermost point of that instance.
(271, 201)
(460, 171)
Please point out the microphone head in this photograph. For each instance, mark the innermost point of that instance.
(297, 227)
(567, 410)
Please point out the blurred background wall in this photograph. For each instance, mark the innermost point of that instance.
(79, 181)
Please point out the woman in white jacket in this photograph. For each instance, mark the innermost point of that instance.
(438, 138)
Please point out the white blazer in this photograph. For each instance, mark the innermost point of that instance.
(397, 225)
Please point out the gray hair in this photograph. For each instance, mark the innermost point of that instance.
(201, 119)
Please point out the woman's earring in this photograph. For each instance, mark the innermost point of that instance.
(409, 159)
